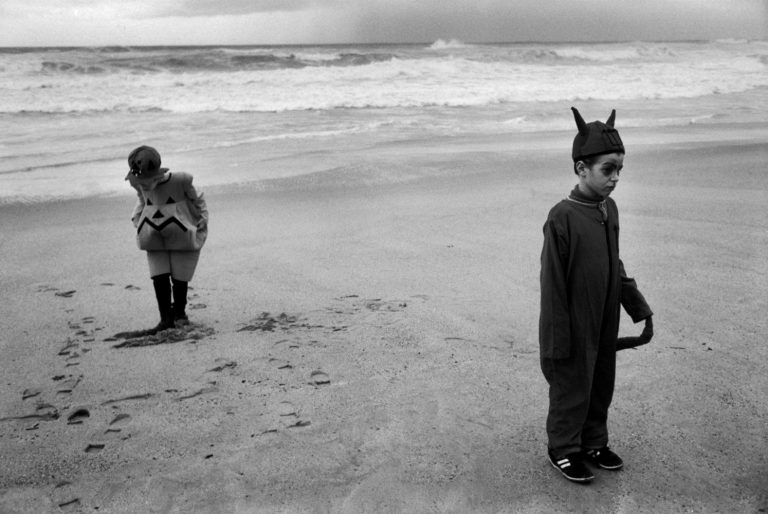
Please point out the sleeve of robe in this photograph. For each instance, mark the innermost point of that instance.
(632, 299)
(554, 319)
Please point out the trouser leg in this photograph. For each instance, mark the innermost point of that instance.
(570, 385)
(595, 432)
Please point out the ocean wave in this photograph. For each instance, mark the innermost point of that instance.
(442, 44)
(613, 53)
(69, 67)
(113, 60)
(732, 41)
(280, 79)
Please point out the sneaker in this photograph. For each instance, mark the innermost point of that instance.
(604, 458)
(572, 467)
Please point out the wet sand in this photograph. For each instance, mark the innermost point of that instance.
(373, 347)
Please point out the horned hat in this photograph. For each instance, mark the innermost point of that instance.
(595, 138)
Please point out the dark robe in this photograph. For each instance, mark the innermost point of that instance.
(583, 286)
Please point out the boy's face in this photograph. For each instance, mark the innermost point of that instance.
(600, 179)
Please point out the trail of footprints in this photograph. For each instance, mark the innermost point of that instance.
(299, 331)
(83, 333)
(55, 404)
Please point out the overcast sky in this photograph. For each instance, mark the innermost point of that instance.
(192, 22)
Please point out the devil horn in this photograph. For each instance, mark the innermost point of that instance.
(611, 118)
(579, 121)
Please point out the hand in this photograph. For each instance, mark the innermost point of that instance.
(647, 334)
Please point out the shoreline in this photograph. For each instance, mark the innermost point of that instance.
(278, 165)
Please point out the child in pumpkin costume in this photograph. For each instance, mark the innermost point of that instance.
(171, 221)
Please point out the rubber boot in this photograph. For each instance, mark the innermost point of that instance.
(163, 294)
(179, 300)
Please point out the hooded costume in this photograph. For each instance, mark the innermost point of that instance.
(171, 223)
(583, 286)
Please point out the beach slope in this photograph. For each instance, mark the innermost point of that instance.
(373, 347)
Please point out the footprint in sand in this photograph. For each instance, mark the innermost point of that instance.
(377, 304)
(223, 364)
(204, 390)
(43, 412)
(132, 287)
(189, 332)
(68, 385)
(94, 447)
(65, 496)
(117, 425)
(65, 294)
(455, 339)
(280, 363)
(132, 397)
(71, 505)
(285, 343)
(78, 416)
(120, 420)
(289, 416)
(69, 347)
(286, 409)
(30, 393)
(319, 378)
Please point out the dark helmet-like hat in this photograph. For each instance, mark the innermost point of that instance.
(144, 162)
(595, 138)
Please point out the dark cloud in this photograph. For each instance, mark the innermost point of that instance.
(192, 8)
(546, 20)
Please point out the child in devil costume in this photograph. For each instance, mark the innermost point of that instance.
(171, 221)
(583, 287)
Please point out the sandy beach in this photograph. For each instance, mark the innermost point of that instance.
(366, 346)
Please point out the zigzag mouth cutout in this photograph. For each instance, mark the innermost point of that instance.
(162, 225)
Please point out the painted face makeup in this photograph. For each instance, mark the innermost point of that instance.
(600, 179)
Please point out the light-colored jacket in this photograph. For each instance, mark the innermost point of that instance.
(172, 216)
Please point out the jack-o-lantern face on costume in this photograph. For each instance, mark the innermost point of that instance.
(162, 227)
(163, 216)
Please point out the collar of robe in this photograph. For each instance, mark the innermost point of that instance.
(580, 198)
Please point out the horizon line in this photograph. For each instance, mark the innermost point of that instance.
(402, 43)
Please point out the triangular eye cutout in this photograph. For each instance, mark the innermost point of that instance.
(579, 122)
(611, 118)
(158, 214)
(149, 202)
(170, 200)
